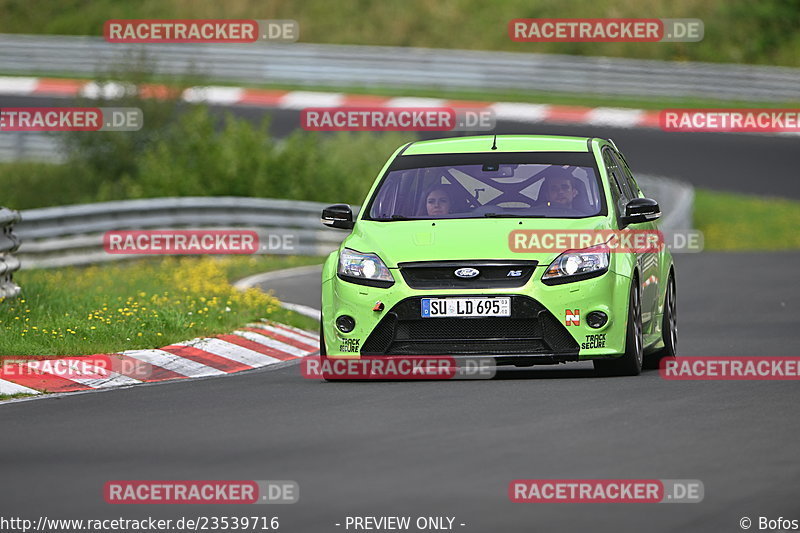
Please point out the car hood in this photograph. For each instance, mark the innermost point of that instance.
(457, 239)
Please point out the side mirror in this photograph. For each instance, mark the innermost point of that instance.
(641, 210)
(338, 216)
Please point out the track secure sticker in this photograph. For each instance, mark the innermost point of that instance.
(572, 317)
(350, 345)
(594, 341)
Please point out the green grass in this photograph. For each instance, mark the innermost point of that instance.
(137, 304)
(239, 267)
(4, 397)
(737, 31)
(739, 222)
(15, 396)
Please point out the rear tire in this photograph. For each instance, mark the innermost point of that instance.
(669, 327)
(630, 364)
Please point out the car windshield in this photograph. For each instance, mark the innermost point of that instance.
(491, 189)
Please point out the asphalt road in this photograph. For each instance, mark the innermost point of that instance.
(749, 163)
(447, 448)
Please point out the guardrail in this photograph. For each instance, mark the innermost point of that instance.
(403, 67)
(9, 242)
(73, 235)
(18, 146)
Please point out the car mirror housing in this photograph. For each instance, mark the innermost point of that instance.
(641, 210)
(338, 216)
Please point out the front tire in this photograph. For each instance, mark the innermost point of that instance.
(630, 364)
(323, 354)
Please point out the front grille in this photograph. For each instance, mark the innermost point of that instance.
(441, 274)
(531, 329)
(490, 328)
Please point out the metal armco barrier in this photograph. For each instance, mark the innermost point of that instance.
(18, 146)
(9, 242)
(73, 235)
(403, 67)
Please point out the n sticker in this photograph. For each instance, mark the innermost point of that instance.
(573, 318)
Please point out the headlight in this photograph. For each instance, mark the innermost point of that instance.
(366, 269)
(575, 265)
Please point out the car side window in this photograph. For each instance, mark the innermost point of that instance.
(619, 187)
(626, 171)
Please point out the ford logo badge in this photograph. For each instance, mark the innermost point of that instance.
(467, 272)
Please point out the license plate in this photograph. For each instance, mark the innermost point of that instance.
(445, 307)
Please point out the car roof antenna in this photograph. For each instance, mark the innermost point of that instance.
(494, 143)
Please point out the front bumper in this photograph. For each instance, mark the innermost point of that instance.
(531, 329)
(537, 332)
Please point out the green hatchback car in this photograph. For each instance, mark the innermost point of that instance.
(525, 249)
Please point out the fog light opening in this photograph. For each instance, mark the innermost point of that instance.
(345, 323)
(596, 319)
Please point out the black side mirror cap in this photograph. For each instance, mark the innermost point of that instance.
(338, 216)
(641, 210)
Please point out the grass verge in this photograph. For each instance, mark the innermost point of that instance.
(740, 222)
(14, 396)
(138, 304)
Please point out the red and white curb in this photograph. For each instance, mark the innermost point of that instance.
(220, 95)
(617, 117)
(256, 345)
